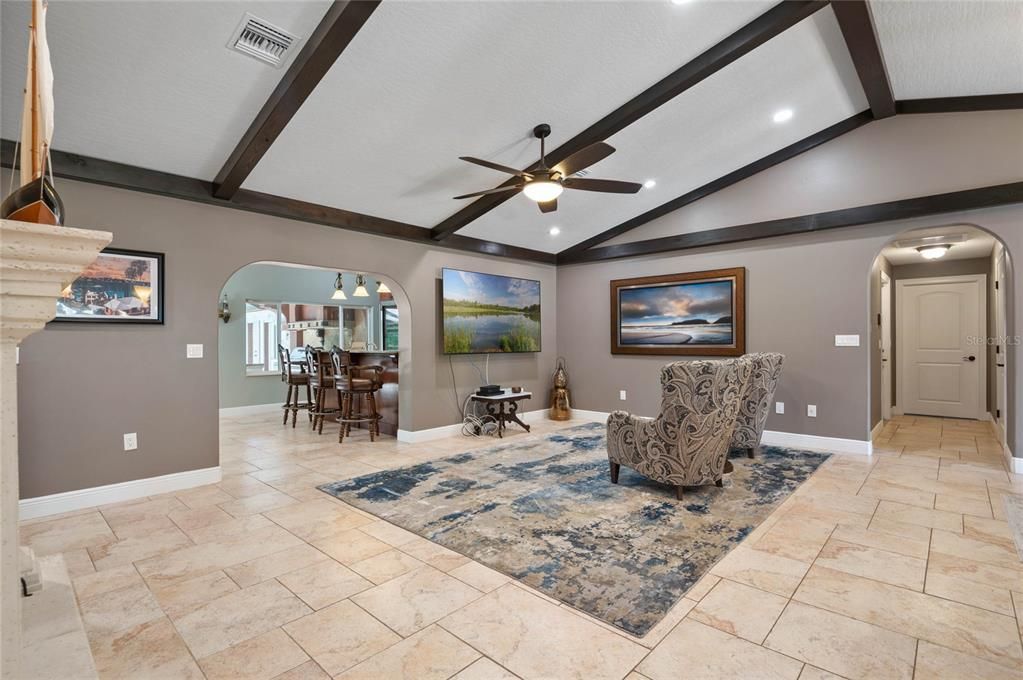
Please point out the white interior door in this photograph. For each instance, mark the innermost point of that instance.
(941, 350)
(1001, 390)
(886, 346)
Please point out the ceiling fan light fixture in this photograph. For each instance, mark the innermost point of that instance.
(933, 252)
(542, 190)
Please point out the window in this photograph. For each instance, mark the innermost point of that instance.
(389, 324)
(262, 333)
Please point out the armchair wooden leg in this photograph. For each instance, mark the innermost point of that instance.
(678, 492)
(615, 467)
(719, 483)
(749, 452)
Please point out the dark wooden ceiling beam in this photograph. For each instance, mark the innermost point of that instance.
(860, 38)
(980, 102)
(970, 199)
(778, 19)
(790, 151)
(319, 52)
(109, 173)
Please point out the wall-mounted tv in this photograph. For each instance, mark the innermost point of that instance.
(489, 313)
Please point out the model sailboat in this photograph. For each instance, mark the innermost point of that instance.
(36, 200)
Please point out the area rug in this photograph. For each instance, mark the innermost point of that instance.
(542, 509)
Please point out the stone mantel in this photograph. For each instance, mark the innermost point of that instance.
(36, 263)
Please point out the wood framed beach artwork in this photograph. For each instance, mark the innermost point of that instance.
(121, 286)
(695, 314)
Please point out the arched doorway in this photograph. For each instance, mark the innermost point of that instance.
(271, 303)
(939, 320)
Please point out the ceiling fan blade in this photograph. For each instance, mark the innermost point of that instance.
(584, 158)
(498, 190)
(496, 166)
(612, 186)
(548, 206)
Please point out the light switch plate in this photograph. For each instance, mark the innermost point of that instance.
(779, 407)
(131, 441)
(811, 410)
(621, 395)
(193, 351)
(847, 341)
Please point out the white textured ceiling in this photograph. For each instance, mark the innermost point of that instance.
(151, 83)
(719, 125)
(934, 48)
(148, 83)
(426, 82)
(979, 243)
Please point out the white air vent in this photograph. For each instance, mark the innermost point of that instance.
(262, 40)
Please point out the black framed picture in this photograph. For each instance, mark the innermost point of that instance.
(121, 286)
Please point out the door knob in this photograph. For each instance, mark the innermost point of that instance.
(969, 358)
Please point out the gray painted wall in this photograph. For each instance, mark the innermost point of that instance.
(81, 387)
(890, 159)
(801, 292)
(275, 283)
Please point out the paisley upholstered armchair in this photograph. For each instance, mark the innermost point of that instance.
(756, 403)
(687, 444)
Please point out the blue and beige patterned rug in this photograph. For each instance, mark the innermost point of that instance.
(542, 510)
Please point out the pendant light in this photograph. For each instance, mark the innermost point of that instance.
(339, 290)
(382, 287)
(360, 287)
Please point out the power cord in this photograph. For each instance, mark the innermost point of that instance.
(474, 424)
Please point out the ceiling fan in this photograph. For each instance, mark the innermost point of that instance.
(544, 185)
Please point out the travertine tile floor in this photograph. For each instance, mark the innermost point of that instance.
(894, 566)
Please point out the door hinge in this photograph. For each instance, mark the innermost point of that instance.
(998, 413)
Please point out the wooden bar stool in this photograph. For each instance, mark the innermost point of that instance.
(321, 370)
(294, 375)
(356, 395)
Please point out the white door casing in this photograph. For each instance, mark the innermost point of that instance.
(886, 346)
(940, 346)
(1001, 408)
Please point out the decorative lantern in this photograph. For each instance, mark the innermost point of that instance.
(560, 404)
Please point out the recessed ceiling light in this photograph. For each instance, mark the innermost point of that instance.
(679, 2)
(649, 184)
(782, 115)
(554, 231)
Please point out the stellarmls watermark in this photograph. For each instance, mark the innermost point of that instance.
(1000, 340)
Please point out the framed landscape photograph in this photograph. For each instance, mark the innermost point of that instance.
(695, 314)
(121, 286)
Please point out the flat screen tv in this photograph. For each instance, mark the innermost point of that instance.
(488, 313)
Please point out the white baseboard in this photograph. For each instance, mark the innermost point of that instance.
(254, 410)
(814, 442)
(591, 415)
(877, 429)
(30, 508)
(455, 429)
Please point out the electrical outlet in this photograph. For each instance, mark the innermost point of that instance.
(131, 441)
(193, 351)
(621, 395)
(811, 410)
(779, 407)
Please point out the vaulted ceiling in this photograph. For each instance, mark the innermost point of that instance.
(154, 85)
